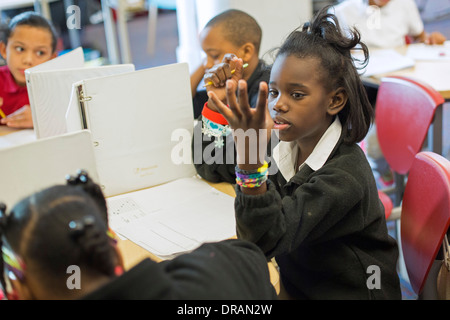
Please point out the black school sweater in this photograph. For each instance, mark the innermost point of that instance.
(326, 228)
(231, 269)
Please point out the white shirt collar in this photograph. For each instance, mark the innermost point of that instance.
(285, 153)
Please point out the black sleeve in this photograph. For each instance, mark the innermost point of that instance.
(231, 269)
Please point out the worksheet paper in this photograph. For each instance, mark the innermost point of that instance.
(17, 138)
(421, 51)
(383, 61)
(173, 218)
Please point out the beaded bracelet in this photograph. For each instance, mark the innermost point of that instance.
(252, 178)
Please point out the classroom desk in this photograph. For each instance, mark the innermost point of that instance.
(434, 73)
(133, 253)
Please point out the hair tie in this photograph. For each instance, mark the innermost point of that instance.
(78, 227)
(80, 178)
(306, 26)
(3, 216)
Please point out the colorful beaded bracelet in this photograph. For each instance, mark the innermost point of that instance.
(252, 178)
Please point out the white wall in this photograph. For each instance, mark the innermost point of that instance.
(277, 19)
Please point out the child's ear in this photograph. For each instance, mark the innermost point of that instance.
(3, 49)
(248, 51)
(338, 101)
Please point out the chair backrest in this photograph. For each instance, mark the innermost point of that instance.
(404, 111)
(425, 216)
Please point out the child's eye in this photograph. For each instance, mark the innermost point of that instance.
(273, 93)
(297, 95)
(19, 49)
(40, 53)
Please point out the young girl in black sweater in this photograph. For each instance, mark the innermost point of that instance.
(319, 215)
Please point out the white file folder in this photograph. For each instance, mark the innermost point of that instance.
(139, 121)
(51, 91)
(33, 166)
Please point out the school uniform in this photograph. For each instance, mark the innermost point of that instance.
(384, 27)
(14, 96)
(261, 73)
(324, 224)
(231, 269)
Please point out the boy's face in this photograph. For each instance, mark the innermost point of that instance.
(26, 47)
(215, 46)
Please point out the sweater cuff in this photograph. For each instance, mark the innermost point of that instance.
(257, 201)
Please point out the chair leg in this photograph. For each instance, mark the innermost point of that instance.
(399, 181)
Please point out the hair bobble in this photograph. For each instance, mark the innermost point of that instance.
(79, 227)
(3, 217)
(80, 178)
(306, 26)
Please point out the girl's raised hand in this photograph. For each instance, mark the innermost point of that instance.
(251, 127)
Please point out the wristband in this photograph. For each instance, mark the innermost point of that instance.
(252, 178)
(214, 124)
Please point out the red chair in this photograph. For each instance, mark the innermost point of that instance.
(425, 219)
(404, 111)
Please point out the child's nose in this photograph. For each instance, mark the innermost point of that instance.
(27, 58)
(279, 106)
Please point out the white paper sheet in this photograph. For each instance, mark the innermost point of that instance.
(383, 61)
(173, 218)
(17, 138)
(421, 51)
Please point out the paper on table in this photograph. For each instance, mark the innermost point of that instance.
(421, 51)
(383, 61)
(17, 138)
(173, 218)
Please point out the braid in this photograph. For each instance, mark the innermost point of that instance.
(94, 244)
(85, 183)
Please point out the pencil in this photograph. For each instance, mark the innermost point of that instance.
(2, 114)
(232, 71)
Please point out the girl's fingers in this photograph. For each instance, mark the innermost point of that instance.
(221, 107)
(261, 102)
(232, 100)
(243, 99)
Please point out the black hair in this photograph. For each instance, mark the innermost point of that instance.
(32, 19)
(238, 27)
(60, 226)
(322, 39)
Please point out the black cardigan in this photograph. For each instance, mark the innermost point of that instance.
(231, 269)
(326, 228)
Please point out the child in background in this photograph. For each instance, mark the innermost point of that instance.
(231, 32)
(319, 215)
(383, 24)
(29, 40)
(67, 225)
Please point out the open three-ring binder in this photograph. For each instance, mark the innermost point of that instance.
(50, 85)
(141, 124)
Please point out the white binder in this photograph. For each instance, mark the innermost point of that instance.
(72, 59)
(138, 121)
(36, 165)
(50, 94)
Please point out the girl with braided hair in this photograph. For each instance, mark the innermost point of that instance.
(65, 226)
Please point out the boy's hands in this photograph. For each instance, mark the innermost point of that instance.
(216, 78)
(20, 119)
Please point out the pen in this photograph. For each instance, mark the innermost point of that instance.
(2, 114)
(232, 71)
